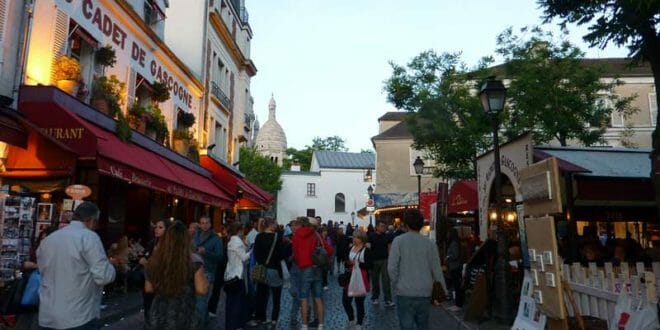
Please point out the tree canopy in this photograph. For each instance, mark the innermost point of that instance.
(260, 170)
(553, 93)
(303, 157)
(550, 92)
(631, 23)
(445, 116)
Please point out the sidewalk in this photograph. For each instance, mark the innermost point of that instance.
(120, 305)
(458, 316)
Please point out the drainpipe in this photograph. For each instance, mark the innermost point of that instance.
(22, 50)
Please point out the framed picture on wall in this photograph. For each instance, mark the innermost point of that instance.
(44, 212)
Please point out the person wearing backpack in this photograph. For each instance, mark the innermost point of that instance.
(310, 254)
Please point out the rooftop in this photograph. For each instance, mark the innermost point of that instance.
(605, 162)
(337, 159)
(398, 131)
(393, 116)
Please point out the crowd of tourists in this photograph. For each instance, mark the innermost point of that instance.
(185, 268)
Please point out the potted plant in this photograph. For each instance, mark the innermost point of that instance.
(66, 74)
(160, 92)
(181, 138)
(185, 119)
(193, 150)
(156, 126)
(105, 56)
(107, 95)
(138, 117)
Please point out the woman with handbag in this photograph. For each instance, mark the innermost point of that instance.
(359, 259)
(237, 255)
(268, 251)
(159, 231)
(175, 276)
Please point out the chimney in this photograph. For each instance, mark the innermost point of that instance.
(295, 168)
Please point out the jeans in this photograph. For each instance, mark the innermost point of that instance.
(378, 273)
(202, 304)
(310, 280)
(348, 306)
(94, 324)
(294, 272)
(413, 312)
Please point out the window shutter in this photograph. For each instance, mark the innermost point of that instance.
(131, 79)
(3, 18)
(60, 35)
(3, 21)
(653, 108)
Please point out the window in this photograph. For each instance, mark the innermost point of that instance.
(340, 203)
(653, 108)
(150, 14)
(616, 118)
(311, 189)
(311, 213)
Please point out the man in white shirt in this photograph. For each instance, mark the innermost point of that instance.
(74, 268)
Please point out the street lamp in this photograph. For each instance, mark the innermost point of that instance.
(419, 168)
(493, 96)
(370, 191)
(353, 218)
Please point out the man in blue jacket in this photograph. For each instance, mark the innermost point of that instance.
(208, 245)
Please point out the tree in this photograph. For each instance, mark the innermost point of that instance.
(630, 23)
(303, 157)
(445, 116)
(553, 93)
(331, 143)
(260, 170)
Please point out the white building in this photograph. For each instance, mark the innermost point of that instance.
(335, 188)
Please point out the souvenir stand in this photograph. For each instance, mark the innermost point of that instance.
(17, 216)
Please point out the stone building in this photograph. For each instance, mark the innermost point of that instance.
(271, 141)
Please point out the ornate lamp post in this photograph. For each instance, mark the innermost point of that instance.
(370, 191)
(419, 168)
(493, 96)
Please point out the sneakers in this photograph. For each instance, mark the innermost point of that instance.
(325, 288)
(350, 325)
(374, 302)
(389, 304)
(252, 323)
(357, 327)
(212, 315)
(320, 327)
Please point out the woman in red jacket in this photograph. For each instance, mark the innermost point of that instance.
(305, 240)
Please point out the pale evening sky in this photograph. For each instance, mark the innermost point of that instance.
(326, 61)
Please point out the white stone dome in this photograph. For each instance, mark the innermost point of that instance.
(271, 139)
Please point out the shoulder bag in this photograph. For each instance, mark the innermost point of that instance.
(320, 256)
(259, 271)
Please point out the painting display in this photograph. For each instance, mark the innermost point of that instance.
(17, 215)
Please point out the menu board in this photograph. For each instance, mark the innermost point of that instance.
(17, 216)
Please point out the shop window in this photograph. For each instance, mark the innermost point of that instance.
(311, 189)
(340, 203)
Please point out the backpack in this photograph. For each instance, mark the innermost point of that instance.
(320, 256)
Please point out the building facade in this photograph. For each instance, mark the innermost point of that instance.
(213, 39)
(335, 188)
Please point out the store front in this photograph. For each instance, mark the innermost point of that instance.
(135, 183)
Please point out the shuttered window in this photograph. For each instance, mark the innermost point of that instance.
(3, 22)
(653, 108)
(60, 35)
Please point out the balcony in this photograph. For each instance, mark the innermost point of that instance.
(244, 15)
(220, 95)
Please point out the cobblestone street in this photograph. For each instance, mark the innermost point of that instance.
(377, 317)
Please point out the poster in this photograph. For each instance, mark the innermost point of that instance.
(16, 228)
(529, 317)
(520, 210)
(45, 212)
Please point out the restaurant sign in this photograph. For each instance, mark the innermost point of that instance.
(133, 176)
(99, 22)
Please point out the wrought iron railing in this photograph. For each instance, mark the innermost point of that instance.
(221, 96)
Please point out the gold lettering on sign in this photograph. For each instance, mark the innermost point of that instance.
(74, 133)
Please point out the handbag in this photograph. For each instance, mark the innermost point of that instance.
(356, 284)
(259, 272)
(31, 293)
(344, 278)
(320, 256)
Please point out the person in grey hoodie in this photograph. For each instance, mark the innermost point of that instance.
(414, 265)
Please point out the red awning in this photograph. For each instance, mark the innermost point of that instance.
(11, 130)
(233, 182)
(122, 160)
(463, 197)
(39, 156)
